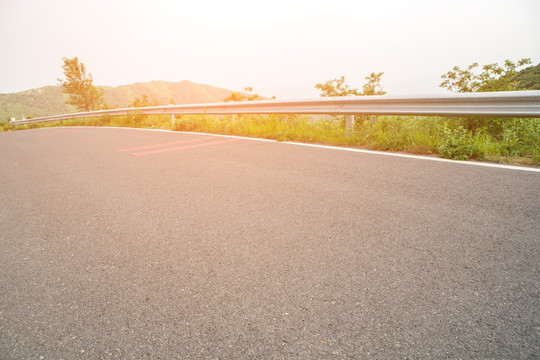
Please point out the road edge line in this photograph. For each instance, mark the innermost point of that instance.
(417, 157)
(330, 147)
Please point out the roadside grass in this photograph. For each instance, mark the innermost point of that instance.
(515, 141)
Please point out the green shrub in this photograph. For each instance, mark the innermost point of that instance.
(456, 143)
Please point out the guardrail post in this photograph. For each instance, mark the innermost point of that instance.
(172, 120)
(349, 124)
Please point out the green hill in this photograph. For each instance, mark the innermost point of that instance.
(50, 100)
(44, 101)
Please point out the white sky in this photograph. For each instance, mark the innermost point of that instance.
(278, 47)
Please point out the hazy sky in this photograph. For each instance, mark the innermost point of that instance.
(278, 47)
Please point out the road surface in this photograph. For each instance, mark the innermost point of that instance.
(130, 244)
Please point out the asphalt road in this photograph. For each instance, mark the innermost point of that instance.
(129, 244)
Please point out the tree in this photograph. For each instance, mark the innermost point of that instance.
(78, 85)
(492, 78)
(373, 85)
(143, 101)
(529, 78)
(338, 87)
(235, 96)
(238, 96)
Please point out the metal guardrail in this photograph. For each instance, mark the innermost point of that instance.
(503, 104)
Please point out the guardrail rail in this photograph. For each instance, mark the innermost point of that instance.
(499, 104)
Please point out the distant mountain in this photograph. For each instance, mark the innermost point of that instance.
(183, 92)
(50, 100)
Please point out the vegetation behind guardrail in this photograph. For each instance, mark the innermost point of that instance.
(506, 140)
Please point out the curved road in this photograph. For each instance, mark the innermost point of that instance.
(130, 244)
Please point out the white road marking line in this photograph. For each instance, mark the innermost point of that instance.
(373, 152)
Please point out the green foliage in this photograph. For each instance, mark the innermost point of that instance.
(238, 96)
(78, 86)
(529, 78)
(521, 137)
(398, 133)
(143, 101)
(458, 143)
(492, 78)
(139, 119)
(235, 97)
(520, 140)
(5, 126)
(373, 85)
(338, 87)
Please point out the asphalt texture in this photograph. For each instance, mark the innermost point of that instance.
(195, 247)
